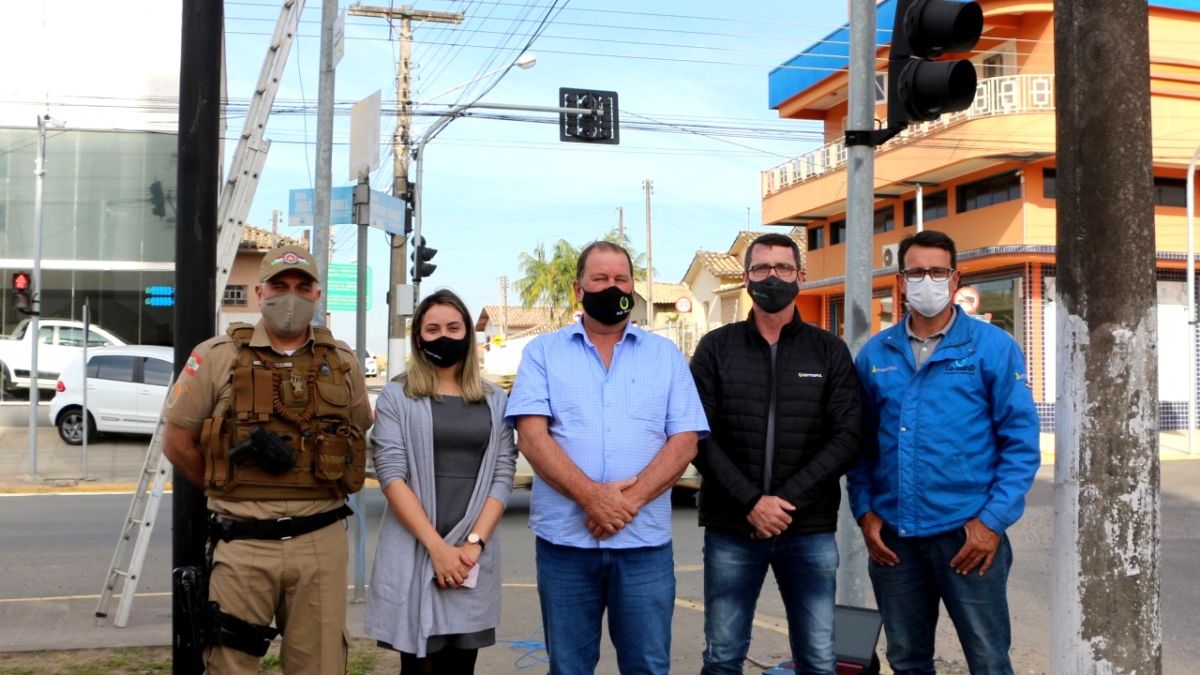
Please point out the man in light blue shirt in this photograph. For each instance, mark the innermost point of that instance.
(609, 417)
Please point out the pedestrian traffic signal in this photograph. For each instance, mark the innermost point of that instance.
(922, 89)
(22, 285)
(421, 256)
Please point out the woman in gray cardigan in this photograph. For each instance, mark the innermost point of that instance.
(445, 461)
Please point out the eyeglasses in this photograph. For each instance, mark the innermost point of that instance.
(785, 271)
(935, 273)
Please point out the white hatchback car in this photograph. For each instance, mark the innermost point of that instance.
(126, 387)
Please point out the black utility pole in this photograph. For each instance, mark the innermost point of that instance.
(195, 263)
(1106, 616)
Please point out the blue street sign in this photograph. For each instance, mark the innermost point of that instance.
(302, 206)
(387, 213)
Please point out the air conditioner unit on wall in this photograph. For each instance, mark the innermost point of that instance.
(890, 255)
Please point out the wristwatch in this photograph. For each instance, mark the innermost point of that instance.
(474, 538)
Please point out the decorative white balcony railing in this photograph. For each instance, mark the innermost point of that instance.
(1010, 95)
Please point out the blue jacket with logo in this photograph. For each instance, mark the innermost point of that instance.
(955, 440)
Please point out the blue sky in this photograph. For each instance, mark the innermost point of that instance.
(495, 188)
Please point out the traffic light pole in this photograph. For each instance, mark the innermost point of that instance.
(860, 201)
(419, 157)
(35, 299)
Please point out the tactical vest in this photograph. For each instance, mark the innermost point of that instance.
(305, 399)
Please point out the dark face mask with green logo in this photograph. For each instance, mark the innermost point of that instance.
(610, 306)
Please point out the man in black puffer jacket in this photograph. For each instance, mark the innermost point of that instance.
(782, 399)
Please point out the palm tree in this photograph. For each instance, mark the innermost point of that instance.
(547, 281)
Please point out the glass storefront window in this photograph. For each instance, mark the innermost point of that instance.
(108, 196)
(116, 302)
(999, 302)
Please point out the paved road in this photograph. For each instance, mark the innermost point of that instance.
(56, 549)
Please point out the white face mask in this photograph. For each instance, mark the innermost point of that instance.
(928, 297)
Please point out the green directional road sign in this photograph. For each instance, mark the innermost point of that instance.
(341, 293)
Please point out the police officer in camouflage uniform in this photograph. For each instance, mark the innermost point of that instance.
(270, 420)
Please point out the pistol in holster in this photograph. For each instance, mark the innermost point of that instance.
(268, 449)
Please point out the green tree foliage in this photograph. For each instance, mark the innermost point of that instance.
(547, 280)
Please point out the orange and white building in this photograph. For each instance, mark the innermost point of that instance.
(987, 178)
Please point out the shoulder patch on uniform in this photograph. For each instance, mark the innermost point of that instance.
(174, 396)
(193, 364)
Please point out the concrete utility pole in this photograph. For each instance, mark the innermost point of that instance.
(1105, 608)
(198, 180)
(324, 168)
(621, 224)
(401, 142)
(648, 186)
(504, 307)
(35, 303)
(860, 214)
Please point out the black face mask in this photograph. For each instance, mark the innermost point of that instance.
(610, 306)
(773, 294)
(445, 351)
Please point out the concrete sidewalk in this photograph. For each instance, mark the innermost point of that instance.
(112, 464)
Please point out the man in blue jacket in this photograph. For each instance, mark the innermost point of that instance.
(950, 449)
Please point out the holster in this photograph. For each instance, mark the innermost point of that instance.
(229, 631)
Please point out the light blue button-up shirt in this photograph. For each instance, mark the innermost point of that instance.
(611, 423)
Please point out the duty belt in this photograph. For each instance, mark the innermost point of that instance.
(227, 529)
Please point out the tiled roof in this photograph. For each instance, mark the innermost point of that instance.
(720, 264)
(519, 318)
(664, 293)
(258, 239)
(798, 235)
(729, 288)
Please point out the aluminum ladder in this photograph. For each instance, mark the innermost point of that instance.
(130, 554)
(237, 193)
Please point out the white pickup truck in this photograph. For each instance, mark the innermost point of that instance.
(59, 341)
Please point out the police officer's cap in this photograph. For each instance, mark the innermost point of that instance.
(284, 258)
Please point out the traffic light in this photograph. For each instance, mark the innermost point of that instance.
(421, 256)
(22, 285)
(601, 126)
(158, 199)
(922, 89)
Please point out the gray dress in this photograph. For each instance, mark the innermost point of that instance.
(460, 437)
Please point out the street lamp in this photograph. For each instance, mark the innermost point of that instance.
(525, 61)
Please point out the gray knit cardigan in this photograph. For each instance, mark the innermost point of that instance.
(405, 606)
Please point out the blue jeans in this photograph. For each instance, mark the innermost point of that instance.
(908, 596)
(635, 585)
(805, 567)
